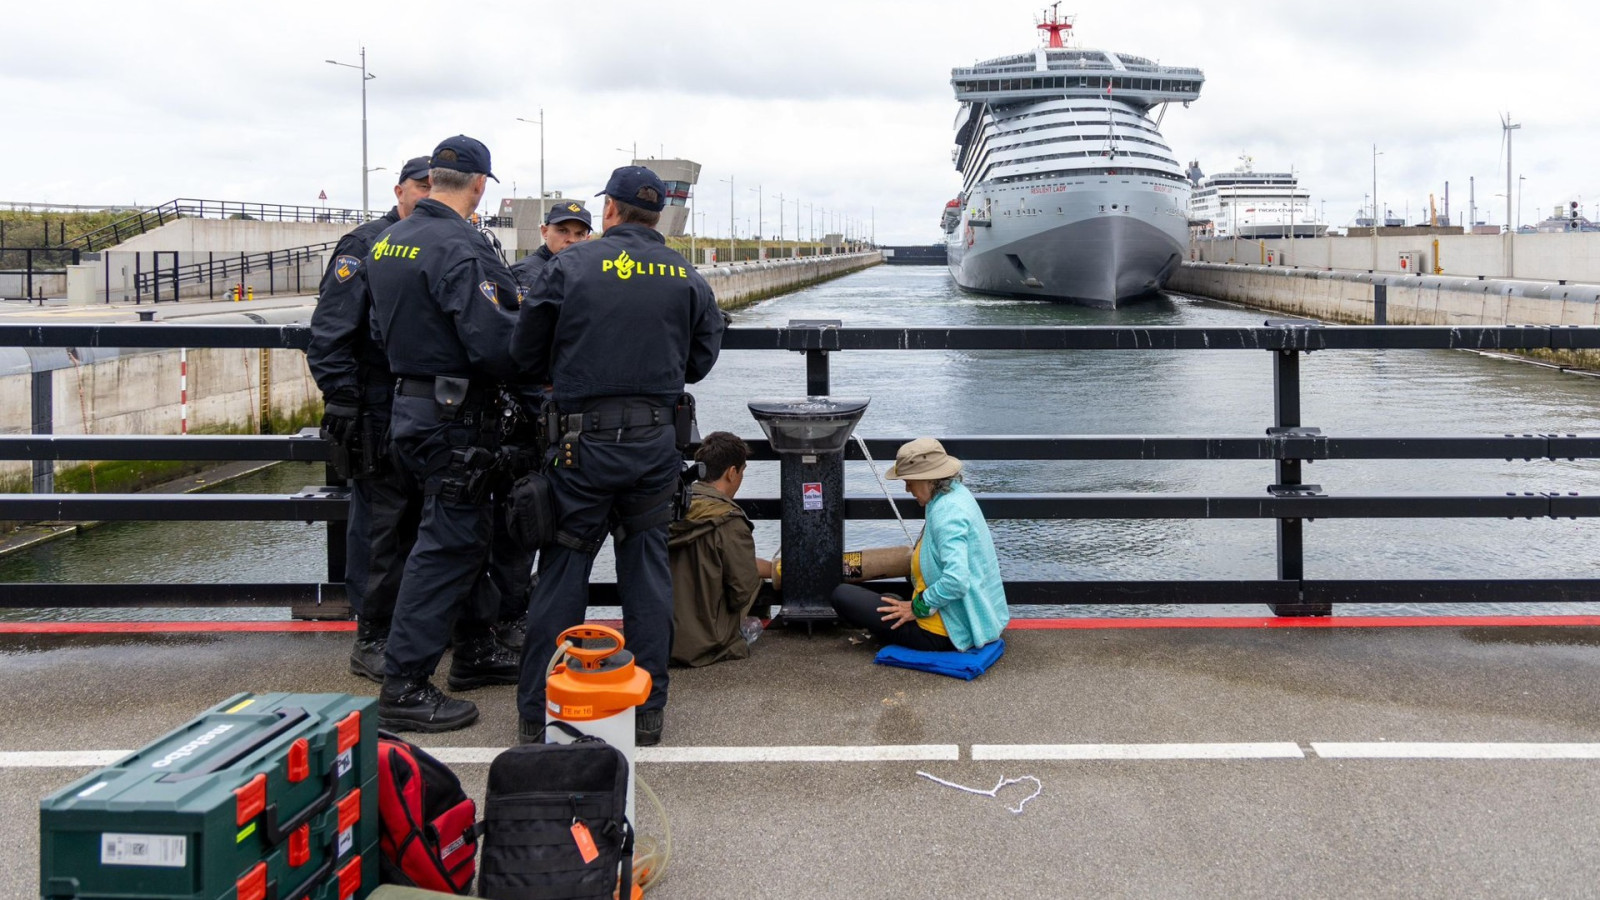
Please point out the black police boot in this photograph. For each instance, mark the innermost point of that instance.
(366, 657)
(511, 633)
(414, 704)
(482, 661)
(647, 727)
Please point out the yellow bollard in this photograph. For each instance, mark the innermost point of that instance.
(252, 292)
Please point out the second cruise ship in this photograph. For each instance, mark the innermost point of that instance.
(1069, 192)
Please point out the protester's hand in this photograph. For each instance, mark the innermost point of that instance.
(339, 412)
(896, 612)
(764, 568)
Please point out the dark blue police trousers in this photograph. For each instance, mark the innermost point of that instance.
(384, 510)
(441, 575)
(611, 473)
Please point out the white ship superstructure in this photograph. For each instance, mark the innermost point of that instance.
(1069, 191)
(1249, 204)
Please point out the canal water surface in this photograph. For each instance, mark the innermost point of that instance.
(937, 393)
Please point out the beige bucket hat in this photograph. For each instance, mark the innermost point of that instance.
(923, 459)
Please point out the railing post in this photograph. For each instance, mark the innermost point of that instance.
(1291, 531)
(1380, 303)
(43, 402)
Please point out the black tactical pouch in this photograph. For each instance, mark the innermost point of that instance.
(469, 476)
(450, 395)
(684, 495)
(683, 422)
(531, 511)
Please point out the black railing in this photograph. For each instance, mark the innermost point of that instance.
(1286, 444)
(166, 276)
(147, 219)
(21, 266)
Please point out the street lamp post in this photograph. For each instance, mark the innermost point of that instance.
(539, 122)
(780, 225)
(733, 225)
(761, 224)
(1520, 180)
(365, 77)
(1375, 154)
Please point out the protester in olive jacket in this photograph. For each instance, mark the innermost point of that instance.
(715, 571)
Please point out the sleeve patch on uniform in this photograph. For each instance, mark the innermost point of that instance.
(491, 290)
(344, 267)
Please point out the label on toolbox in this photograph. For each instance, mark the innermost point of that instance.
(347, 760)
(163, 850)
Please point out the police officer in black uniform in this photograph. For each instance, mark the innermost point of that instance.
(437, 287)
(357, 387)
(510, 574)
(617, 326)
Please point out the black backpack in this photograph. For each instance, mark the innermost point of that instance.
(555, 822)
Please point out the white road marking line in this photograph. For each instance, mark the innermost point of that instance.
(47, 759)
(1280, 750)
(1445, 750)
(868, 753)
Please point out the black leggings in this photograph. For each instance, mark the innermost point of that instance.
(859, 607)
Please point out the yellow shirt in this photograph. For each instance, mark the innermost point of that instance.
(935, 622)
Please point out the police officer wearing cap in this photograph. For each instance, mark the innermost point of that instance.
(617, 326)
(357, 387)
(437, 288)
(510, 573)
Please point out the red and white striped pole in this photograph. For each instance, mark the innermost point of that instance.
(183, 390)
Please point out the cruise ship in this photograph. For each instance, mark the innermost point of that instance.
(1069, 192)
(1250, 204)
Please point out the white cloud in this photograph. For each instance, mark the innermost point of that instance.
(846, 106)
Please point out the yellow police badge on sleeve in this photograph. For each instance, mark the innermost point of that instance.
(344, 267)
(491, 290)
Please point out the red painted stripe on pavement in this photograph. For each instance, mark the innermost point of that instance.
(159, 627)
(1307, 622)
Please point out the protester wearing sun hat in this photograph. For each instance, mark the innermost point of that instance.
(958, 601)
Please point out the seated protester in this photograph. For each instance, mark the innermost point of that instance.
(715, 571)
(958, 601)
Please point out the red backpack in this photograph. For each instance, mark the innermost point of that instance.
(429, 824)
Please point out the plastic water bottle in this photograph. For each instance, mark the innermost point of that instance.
(751, 628)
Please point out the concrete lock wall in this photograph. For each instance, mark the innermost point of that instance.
(234, 236)
(1574, 256)
(737, 285)
(1409, 300)
(104, 391)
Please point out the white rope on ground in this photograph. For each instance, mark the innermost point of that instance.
(892, 505)
(1038, 788)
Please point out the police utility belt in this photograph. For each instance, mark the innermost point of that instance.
(455, 397)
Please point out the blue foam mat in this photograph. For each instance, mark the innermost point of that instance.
(964, 664)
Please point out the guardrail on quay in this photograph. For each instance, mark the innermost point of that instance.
(1286, 443)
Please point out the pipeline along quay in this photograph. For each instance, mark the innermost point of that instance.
(1205, 748)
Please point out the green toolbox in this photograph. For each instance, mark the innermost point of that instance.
(262, 797)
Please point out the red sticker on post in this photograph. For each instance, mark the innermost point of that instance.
(585, 841)
(811, 495)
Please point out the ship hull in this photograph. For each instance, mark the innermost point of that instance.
(1064, 249)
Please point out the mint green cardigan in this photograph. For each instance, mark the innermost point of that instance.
(961, 570)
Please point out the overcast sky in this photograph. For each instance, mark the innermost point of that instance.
(846, 106)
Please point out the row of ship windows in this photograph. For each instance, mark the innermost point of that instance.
(1116, 83)
(1079, 173)
(1081, 155)
(1098, 109)
(1102, 136)
(1130, 124)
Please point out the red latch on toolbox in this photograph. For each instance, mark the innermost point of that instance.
(350, 731)
(350, 878)
(299, 846)
(299, 761)
(251, 799)
(253, 886)
(350, 809)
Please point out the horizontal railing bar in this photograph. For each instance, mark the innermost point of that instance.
(157, 334)
(1167, 337)
(330, 507)
(1200, 506)
(1311, 336)
(308, 447)
(268, 447)
(1018, 593)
